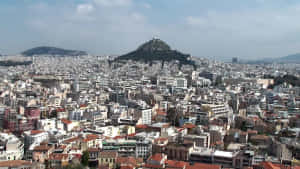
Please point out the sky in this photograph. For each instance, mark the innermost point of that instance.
(247, 29)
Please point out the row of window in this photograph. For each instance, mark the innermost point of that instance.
(107, 160)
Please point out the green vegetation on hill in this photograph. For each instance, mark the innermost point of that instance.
(155, 45)
(156, 50)
(44, 50)
(290, 79)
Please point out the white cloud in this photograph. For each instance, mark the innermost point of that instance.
(146, 5)
(85, 8)
(192, 20)
(254, 32)
(118, 26)
(98, 29)
(138, 17)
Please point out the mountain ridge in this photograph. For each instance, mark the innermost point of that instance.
(291, 58)
(48, 50)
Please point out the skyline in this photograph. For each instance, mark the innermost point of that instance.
(248, 29)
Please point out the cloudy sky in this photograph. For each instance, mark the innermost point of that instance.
(247, 29)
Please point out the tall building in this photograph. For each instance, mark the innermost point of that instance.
(235, 60)
(146, 116)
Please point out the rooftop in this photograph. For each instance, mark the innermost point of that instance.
(14, 163)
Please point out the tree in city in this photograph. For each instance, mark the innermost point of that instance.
(173, 116)
(85, 158)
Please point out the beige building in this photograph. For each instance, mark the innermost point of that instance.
(108, 158)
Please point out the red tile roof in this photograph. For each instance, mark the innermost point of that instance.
(176, 164)
(14, 163)
(92, 136)
(124, 136)
(60, 110)
(70, 140)
(83, 105)
(61, 147)
(259, 137)
(93, 149)
(128, 161)
(203, 166)
(65, 121)
(180, 129)
(153, 166)
(141, 126)
(88, 139)
(126, 167)
(58, 157)
(156, 157)
(34, 132)
(131, 135)
(189, 126)
(270, 165)
(161, 140)
(42, 148)
(161, 113)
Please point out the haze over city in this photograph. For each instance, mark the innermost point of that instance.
(247, 29)
(149, 84)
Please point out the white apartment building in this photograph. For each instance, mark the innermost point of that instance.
(147, 116)
(11, 148)
(218, 110)
(143, 148)
(76, 115)
(180, 83)
(202, 140)
(110, 131)
(47, 124)
(35, 136)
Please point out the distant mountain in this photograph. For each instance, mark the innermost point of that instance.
(156, 50)
(45, 50)
(8, 63)
(294, 58)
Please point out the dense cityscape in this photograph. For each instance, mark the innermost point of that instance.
(87, 111)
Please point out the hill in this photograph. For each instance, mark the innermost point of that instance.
(156, 50)
(290, 79)
(8, 63)
(294, 58)
(45, 50)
